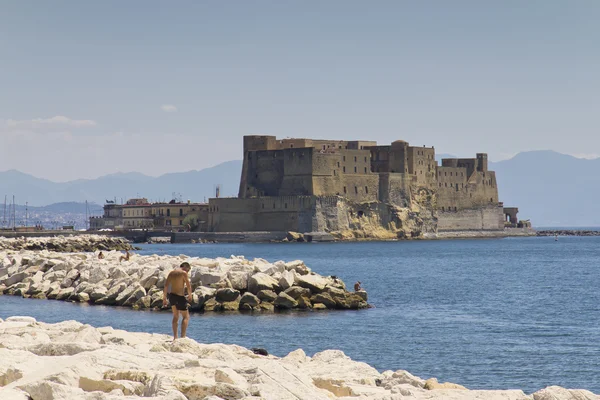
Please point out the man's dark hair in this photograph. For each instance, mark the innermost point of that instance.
(185, 264)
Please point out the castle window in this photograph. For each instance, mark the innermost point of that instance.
(366, 189)
(445, 184)
(181, 212)
(445, 174)
(285, 205)
(365, 170)
(442, 208)
(457, 187)
(273, 205)
(356, 189)
(354, 169)
(338, 164)
(365, 159)
(344, 158)
(344, 169)
(344, 189)
(354, 158)
(440, 184)
(263, 206)
(334, 173)
(323, 147)
(168, 212)
(491, 200)
(340, 147)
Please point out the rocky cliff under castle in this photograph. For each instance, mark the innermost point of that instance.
(358, 189)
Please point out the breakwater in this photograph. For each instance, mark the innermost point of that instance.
(568, 232)
(67, 244)
(70, 360)
(219, 284)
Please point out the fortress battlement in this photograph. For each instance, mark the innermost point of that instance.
(287, 183)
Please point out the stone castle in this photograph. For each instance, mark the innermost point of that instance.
(358, 189)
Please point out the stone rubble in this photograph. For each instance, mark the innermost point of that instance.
(66, 244)
(222, 284)
(70, 360)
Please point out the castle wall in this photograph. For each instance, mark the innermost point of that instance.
(395, 189)
(422, 164)
(276, 213)
(484, 218)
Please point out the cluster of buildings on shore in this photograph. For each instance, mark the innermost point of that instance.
(140, 214)
(307, 185)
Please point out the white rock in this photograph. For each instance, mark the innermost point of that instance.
(287, 279)
(17, 318)
(261, 281)
(228, 375)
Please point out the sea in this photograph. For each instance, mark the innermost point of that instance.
(513, 313)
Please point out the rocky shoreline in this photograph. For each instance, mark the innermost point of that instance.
(66, 244)
(568, 232)
(233, 284)
(70, 360)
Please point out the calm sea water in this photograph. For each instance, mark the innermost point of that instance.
(511, 313)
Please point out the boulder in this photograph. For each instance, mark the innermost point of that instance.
(315, 283)
(201, 295)
(16, 278)
(97, 293)
(433, 384)
(230, 305)
(267, 295)
(362, 294)
(324, 299)
(296, 291)
(227, 295)
(287, 279)
(297, 266)
(261, 281)
(304, 302)
(238, 279)
(212, 305)
(250, 299)
(285, 301)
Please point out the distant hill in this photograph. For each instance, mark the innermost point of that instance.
(192, 185)
(550, 188)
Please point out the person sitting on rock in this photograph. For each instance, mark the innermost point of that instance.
(175, 285)
(357, 287)
(101, 256)
(125, 257)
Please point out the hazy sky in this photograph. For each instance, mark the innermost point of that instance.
(90, 88)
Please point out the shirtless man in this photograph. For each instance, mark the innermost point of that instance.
(177, 281)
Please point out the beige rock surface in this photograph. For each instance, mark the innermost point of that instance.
(70, 360)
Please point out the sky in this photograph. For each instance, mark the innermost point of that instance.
(94, 88)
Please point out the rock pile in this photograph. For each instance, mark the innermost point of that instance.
(66, 244)
(219, 284)
(70, 360)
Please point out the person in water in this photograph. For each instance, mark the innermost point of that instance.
(174, 291)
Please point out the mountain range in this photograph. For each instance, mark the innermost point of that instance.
(550, 189)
